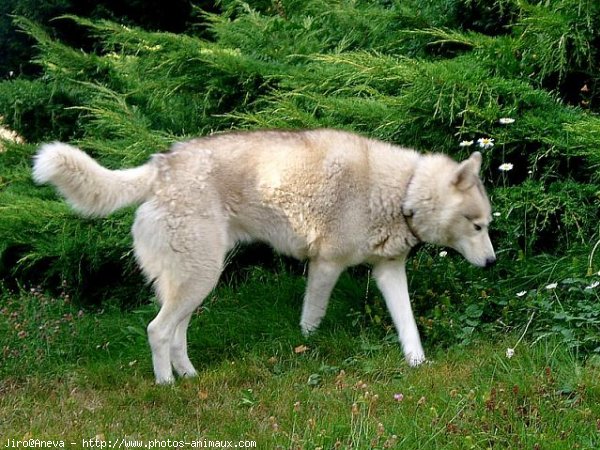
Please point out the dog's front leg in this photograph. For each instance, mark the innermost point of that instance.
(391, 280)
(322, 276)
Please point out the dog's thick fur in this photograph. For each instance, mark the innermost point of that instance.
(331, 197)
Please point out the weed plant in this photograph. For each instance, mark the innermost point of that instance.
(436, 76)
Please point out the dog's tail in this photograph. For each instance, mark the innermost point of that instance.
(91, 189)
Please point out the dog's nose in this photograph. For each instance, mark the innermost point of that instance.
(489, 262)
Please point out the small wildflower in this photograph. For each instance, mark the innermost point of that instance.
(443, 254)
(465, 143)
(421, 401)
(510, 352)
(506, 121)
(497, 214)
(521, 294)
(485, 143)
(594, 285)
(505, 167)
(340, 380)
(399, 397)
(551, 286)
(391, 441)
(361, 385)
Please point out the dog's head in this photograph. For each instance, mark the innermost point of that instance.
(469, 232)
(456, 211)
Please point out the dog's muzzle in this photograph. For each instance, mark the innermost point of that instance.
(489, 262)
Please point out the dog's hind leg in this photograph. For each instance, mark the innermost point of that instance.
(391, 280)
(179, 355)
(184, 256)
(166, 333)
(322, 276)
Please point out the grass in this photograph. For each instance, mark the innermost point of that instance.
(76, 374)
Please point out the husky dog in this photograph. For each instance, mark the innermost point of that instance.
(333, 198)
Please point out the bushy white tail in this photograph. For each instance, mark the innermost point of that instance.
(90, 188)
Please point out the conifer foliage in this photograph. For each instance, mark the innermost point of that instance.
(429, 75)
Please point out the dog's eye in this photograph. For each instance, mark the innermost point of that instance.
(477, 227)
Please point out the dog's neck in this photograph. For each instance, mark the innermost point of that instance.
(408, 213)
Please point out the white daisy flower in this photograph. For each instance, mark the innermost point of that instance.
(510, 352)
(497, 214)
(465, 143)
(485, 142)
(505, 167)
(506, 121)
(551, 286)
(594, 285)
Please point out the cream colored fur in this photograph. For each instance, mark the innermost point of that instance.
(90, 188)
(333, 198)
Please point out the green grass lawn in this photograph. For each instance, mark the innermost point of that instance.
(74, 375)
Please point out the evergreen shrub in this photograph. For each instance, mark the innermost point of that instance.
(427, 75)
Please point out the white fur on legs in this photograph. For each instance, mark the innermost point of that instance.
(184, 257)
(176, 308)
(179, 355)
(175, 313)
(159, 336)
(391, 280)
(167, 332)
(322, 276)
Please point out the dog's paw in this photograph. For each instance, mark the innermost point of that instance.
(307, 329)
(191, 373)
(165, 381)
(415, 359)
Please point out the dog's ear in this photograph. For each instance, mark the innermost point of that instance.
(475, 159)
(467, 171)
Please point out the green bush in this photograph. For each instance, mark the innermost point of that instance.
(422, 74)
(37, 110)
